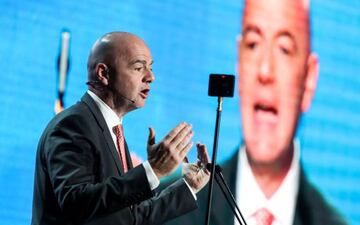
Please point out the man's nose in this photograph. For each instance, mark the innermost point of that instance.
(149, 76)
(265, 74)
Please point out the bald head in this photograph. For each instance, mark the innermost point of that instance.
(108, 49)
(120, 71)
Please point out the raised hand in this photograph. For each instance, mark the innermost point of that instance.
(165, 156)
(196, 174)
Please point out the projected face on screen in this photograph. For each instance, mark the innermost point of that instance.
(277, 75)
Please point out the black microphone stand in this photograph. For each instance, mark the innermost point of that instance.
(220, 180)
(218, 172)
(213, 160)
(61, 98)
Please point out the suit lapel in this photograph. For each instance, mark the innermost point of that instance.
(128, 157)
(105, 131)
(302, 209)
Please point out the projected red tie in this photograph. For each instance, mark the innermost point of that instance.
(118, 130)
(264, 217)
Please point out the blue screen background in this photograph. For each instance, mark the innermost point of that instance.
(189, 40)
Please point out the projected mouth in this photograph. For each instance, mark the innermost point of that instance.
(266, 113)
(266, 108)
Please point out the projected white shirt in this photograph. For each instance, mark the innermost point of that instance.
(250, 197)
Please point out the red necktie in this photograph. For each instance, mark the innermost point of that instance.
(264, 217)
(120, 142)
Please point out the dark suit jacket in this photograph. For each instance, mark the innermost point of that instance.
(311, 207)
(79, 179)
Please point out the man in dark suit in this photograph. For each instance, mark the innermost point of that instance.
(84, 174)
(277, 80)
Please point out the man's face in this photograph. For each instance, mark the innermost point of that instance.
(277, 76)
(133, 75)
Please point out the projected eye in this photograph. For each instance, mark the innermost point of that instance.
(251, 40)
(284, 50)
(251, 45)
(286, 45)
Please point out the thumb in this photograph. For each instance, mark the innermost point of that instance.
(151, 138)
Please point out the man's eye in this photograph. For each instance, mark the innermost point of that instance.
(286, 50)
(139, 68)
(251, 45)
(286, 46)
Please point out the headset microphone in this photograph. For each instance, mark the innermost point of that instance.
(121, 95)
(92, 82)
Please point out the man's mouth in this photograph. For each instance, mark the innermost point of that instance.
(266, 108)
(266, 113)
(145, 93)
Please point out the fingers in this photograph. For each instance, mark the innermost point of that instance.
(181, 146)
(151, 138)
(185, 150)
(172, 134)
(183, 137)
(180, 135)
(179, 139)
(166, 156)
(196, 175)
(203, 155)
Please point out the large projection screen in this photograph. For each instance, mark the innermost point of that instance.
(189, 40)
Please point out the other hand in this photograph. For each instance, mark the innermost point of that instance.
(196, 174)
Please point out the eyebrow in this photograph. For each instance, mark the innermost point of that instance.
(287, 34)
(140, 61)
(251, 28)
(256, 29)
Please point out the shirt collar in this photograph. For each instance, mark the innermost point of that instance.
(282, 202)
(111, 118)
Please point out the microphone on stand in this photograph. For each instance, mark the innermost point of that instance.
(62, 69)
(220, 85)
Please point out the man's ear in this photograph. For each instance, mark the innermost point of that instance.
(102, 73)
(310, 81)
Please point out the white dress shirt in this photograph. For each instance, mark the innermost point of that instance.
(112, 119)
(250, 197)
